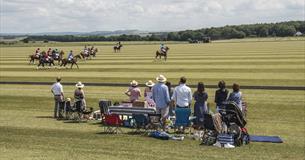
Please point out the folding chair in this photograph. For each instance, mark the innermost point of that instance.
(112, 123)
(141, 122)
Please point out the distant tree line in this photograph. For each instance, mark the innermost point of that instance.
(282, 29)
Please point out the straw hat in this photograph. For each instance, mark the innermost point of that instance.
(133, 83)
(161, 78)
(68, 99)
(150, 83)
(79, 85)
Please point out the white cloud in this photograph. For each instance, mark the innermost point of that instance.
(92, 15)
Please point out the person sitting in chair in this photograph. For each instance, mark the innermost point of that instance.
(70, 56)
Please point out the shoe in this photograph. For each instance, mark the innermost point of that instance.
(217, 144)
(229, 146)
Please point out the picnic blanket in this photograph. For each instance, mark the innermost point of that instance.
(271, 139)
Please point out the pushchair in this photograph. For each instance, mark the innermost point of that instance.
(235, 121)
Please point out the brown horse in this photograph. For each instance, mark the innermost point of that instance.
(33, 57)
(162, 53)
(65, 61)
(117, 48)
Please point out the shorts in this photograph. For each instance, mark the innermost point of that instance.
(163, 111)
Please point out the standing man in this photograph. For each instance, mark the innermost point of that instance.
(58, 93)
(182, 95)
(161, 97)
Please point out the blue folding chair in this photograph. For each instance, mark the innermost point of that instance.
(182, 119)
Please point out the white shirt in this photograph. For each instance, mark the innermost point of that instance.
(57, 89)
(182, 95)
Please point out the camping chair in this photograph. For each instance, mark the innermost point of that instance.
(182, 119)
(112, 123)
(141, 122)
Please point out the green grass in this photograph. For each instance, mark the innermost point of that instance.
(26, 132)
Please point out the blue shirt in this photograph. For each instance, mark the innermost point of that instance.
(237, 98)
(160, 95)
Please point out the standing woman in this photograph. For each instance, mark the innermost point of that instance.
(171, 104)
(236, 96)
(200, 107)
(79, 97)
(148, 94)
(133, 92)
(221, 94)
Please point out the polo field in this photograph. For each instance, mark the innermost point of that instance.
(28, 130)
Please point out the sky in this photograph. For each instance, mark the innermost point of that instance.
(34, 16)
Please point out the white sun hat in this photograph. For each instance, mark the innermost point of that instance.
(79, 85)
(150, 83)
(161, 78)
(133, 83)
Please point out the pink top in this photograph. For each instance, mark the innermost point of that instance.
(135, 93)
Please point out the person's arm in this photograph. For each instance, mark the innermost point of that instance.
(127, 92)
(190, 97)
(167, 98)
(61, 91)
(140, 93)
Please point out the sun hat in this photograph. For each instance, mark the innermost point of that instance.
(161, 78)
(150, 83)
(133, 83)
(79, 85)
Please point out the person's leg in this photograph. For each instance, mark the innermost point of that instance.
(164, 115)
(56, 108)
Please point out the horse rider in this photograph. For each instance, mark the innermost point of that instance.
(118, 44)
(37, 52)
(46, 56)
(49, 52)
(162, 48)
(55, 53)
(70, 56)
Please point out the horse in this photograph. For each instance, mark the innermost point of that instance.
(65, 61)
(43, 60)
(85, 56)
(33, 57)
(93, 52)
(162, 53)
(117, 48)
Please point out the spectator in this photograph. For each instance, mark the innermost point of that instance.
(58, 93)
(221, 94)
(236, 96)
(148, 93)
(79, 96)
(200, 107)
(171, 105)
(133, 92)
(161, 98)
(182, 94)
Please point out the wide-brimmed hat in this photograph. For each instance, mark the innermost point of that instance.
(150, 83)
(161, 78)
(79, 85)
(133, 83)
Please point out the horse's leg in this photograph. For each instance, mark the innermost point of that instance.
(76, 65)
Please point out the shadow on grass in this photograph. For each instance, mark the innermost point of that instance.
(71, 121)
(45, 117)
